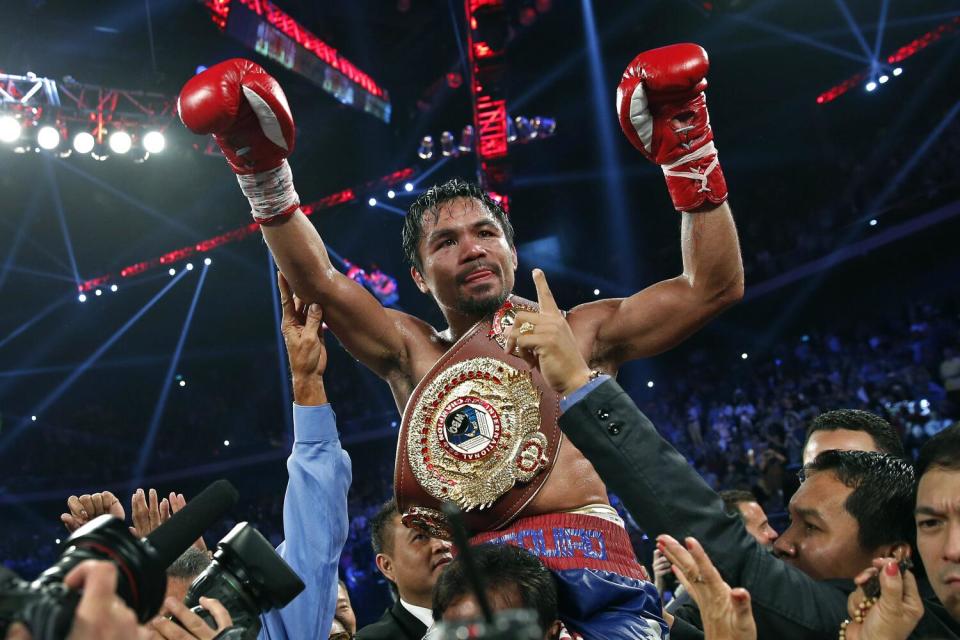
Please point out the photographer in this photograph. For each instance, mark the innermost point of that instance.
(100, 614)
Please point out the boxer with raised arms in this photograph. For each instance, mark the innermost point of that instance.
(515, 476)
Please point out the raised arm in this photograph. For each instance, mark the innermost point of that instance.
(666, 313)
(663, 112)
(248, 114)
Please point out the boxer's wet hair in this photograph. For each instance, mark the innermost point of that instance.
(883, 493)
(503, 568)
(882, 433)
(429, 204)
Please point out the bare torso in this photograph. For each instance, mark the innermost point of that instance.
(573, 481)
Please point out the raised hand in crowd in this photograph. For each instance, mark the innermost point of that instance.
(892, 616)
(302, 329)
(661, 569)
(83, 509)
(725, 612)
(147, 511)
(194, 627)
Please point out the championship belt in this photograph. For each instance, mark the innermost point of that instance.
(479, 430)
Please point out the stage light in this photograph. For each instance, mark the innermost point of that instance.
(744, 356)
(48, 138)
(391, 194)
(83, 142)
(596, 292)
(448, 145)
(98, 292)
(189, 266)
(898, 71)
(183, 383)
(393, 424)
(207, 261)
(33, 418)
(9, 129)
(408, 187)
(524, 132)
(57, 540)
(82, 297)
(226, 443)
(466, 139)
(113, 288)
(426, 148)
(372, 202)
(883, 79)
(871, 85)
(200, 69)
(154, 142)
(649, 384)
(543, 127)
(120, 142)
(873, 222)
(172, 271)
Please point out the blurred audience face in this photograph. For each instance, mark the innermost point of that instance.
(938, 533)
(344, 612)
(338, 631)
(839, 439)
(413, 562)
(822, 538)
(757, 523)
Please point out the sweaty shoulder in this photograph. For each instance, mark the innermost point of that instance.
(422, 343)
(585, 321)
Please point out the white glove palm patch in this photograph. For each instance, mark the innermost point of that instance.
(268, 121)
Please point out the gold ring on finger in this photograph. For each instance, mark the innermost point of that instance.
(525, 328)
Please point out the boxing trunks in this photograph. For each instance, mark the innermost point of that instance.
(603, 592)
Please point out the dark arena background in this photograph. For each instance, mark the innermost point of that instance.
(139, 342)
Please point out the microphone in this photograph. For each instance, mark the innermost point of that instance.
(176, 535)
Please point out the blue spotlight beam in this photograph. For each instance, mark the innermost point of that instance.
(854, 27)
(35, 318)
(55, 395)
(147, 448)
(391, 209)
(39, 273)
(282, 349)
(881, 26)
(54, 188)
(908, 166)
(19, 236)
(614, 198)
(130, 200)
(426, 174)
(464, 69)
(799, 38)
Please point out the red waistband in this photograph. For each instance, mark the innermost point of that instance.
(566, 541)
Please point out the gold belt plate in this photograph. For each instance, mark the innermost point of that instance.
(475, 432)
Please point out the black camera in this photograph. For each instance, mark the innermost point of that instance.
(248, 577)
(46, 606)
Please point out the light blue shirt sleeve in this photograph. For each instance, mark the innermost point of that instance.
(568, 401)
(314, 525)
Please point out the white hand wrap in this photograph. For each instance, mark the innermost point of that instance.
(271, 193)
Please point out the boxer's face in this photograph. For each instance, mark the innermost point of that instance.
(468, 266)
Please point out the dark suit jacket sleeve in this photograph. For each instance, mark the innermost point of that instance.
(665, 495)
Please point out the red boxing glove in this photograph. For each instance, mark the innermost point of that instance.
(663, 113)
(248, 115)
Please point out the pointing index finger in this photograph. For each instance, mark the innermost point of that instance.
(544, 296)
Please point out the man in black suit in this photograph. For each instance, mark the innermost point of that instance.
(852, 507)
(411, 562)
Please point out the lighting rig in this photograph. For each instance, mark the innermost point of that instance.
(520, 130)
(70, 117)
